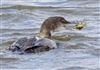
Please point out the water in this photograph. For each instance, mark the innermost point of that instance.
(23, 18)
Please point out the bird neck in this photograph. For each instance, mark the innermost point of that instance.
(45, 33)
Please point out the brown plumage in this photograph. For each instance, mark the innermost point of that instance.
(50, 24)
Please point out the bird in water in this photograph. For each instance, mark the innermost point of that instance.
(42, 41)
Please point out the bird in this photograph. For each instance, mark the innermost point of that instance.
(41, 41)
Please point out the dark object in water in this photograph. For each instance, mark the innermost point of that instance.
(32, 45)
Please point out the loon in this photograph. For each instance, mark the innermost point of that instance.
(42, 41)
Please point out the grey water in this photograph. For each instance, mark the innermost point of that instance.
(23, 18)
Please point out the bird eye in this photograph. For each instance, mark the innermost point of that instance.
(63, 21)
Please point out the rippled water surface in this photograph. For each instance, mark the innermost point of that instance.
(23, 18)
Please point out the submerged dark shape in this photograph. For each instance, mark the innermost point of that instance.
(32, 45)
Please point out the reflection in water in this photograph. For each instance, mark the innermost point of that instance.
(23, 18)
